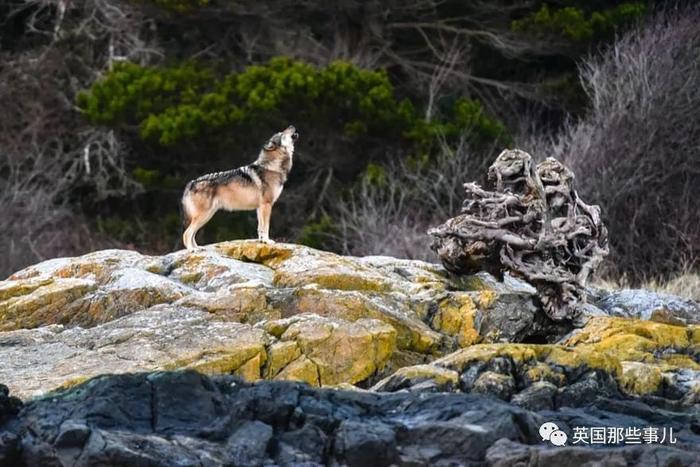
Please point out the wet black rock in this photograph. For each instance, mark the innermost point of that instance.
(184, 418)
(9, 405)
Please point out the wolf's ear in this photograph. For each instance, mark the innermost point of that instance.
(274, 142)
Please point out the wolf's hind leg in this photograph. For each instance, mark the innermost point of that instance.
(198, 221)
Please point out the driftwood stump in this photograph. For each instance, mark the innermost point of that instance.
(532, 223)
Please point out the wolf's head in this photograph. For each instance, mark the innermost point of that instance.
(283, 140)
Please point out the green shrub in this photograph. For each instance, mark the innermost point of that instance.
(188, 103)
(576, 24)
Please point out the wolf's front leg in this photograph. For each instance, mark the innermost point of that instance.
(264, 212)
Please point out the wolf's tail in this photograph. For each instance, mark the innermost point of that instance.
(185, 216)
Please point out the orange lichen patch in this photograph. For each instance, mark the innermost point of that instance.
(268, 254)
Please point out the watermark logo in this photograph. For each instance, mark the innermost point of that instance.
(611, 435)
(550, 432)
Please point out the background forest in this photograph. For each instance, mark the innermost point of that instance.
(110, 106)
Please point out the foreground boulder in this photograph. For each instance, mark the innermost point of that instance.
(185, 418)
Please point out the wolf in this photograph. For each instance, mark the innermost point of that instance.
(253, 186)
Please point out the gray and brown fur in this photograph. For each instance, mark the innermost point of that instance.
(254, 186)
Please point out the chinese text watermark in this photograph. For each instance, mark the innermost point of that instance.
(612, 435)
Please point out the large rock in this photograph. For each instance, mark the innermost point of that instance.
(226, 309)
(655, 306)
(290, 312)
(307, 348)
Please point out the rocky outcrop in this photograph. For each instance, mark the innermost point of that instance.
(246, 308)
(616, 358)
(427, 367)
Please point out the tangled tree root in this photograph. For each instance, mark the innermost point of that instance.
(532, 224)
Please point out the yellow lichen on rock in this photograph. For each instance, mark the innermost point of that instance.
(252, 369)
(16, 288)
(641, 378)
(246, 358)
(240, 304)
(412, 333)
(636, 340)
(460, 359)
(486, 298)
(455, 317)
(44, 304)
(342, 351)
(280, 355)
(301, 369)
(442, 377)
(543, 372)
(580, 358)
(530, 354)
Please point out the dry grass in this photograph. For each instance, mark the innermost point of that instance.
(686, 285)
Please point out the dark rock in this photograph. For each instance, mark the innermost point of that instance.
(495, 384)
(306, 445)
(9, 405)
(506, 453)
(365, 445)
(249, 444)
(539, 396)
(587, 389)
(9, 442)
(9, 448)
(184, 418)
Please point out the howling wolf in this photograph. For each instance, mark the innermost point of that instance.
(253, 186)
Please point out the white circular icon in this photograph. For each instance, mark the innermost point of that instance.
(547, 429)
(558, 438)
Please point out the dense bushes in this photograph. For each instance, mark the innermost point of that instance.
(172, 105)
(391, 208)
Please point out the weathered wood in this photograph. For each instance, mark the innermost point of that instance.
(532, 223)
